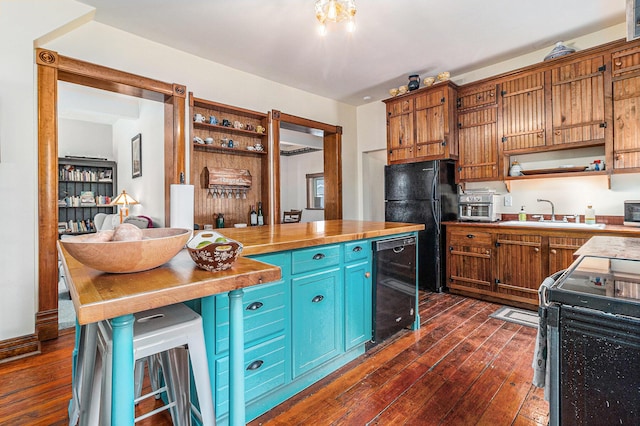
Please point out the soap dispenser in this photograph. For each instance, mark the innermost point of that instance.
(522, 216)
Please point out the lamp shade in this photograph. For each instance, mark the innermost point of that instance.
(123, 199)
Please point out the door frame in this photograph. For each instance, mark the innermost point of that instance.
(52, 68)
(332, 152)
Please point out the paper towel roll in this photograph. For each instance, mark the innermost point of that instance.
(181, 206)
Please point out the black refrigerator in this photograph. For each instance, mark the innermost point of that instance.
(426, 193)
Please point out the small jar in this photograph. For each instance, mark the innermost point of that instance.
(220, 221)
(414, 82)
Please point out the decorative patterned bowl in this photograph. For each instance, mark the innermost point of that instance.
(158, 246)
(213, 252)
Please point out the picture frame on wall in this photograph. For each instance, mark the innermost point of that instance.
(136, 156)
(633, 19)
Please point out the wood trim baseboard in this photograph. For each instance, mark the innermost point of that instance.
(19, 347)
(47, 324)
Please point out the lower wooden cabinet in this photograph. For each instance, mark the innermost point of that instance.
(469, 260)
(506, 265)
(519, 267)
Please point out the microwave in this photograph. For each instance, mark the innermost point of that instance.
(632, 213)
(478, 207)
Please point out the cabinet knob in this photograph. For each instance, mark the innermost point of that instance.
(317, 299)
(488, 251)
(367, 274)
(254, 306)
(470, 236)
(618, 63)
(255, 365)
(536, 249)
(553, 251)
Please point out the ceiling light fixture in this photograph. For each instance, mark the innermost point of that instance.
(336, 11)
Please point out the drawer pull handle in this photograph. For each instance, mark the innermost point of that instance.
(255, 306)
(317, 299)
(255, 365)
(357, 249)
(318, 256)
(470, 236)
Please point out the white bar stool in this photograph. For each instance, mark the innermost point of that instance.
(162, 331)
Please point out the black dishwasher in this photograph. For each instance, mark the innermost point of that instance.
(394, 293)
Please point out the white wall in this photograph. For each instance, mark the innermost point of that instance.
(85, 139)
(64, 26)
(570, 195)
(147, 189)
(293, 193)
(19, 27)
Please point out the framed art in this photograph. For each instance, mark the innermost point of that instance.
(136, 156)
(633, 19)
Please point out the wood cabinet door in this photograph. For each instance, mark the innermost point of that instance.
(523, 113)
(469, 261)
(431, 124)
(561, 251)
(520, 269)
(626, 126)
(400, 137)
(477, 134)
(317, 325)
(577, 95)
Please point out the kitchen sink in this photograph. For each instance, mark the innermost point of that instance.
(549, 224)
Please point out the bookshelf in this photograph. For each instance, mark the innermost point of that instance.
(85, 188)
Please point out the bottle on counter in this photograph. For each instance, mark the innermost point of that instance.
(522, 215)
(260, 214)
(590, 215)
(253, 216)
(220, 221)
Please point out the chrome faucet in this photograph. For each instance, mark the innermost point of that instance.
(553, 209)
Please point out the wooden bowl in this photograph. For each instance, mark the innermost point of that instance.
(158, 246)
(212, 255)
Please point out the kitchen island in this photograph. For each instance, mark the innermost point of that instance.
(312, 321)
(304, 317)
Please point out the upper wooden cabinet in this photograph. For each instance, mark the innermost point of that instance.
(421, 126)
(477, 132)
(626, 102)
(400, 130)
(578, 102)
(523, 113)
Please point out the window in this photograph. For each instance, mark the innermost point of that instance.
(315, 191)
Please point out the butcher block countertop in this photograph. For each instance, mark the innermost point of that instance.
(290, 236)
(98, 295)
(621, 230)
(612, 247)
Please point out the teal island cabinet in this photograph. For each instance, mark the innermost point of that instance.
(312, 321)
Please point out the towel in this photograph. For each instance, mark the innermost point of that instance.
(541, 355)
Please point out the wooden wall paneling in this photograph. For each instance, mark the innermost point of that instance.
(235, 210)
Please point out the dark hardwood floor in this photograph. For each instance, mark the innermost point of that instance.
(461, 368)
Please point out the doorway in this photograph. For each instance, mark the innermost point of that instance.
(52, 68)
(331, 136)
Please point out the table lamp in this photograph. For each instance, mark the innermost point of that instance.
(123, 200)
